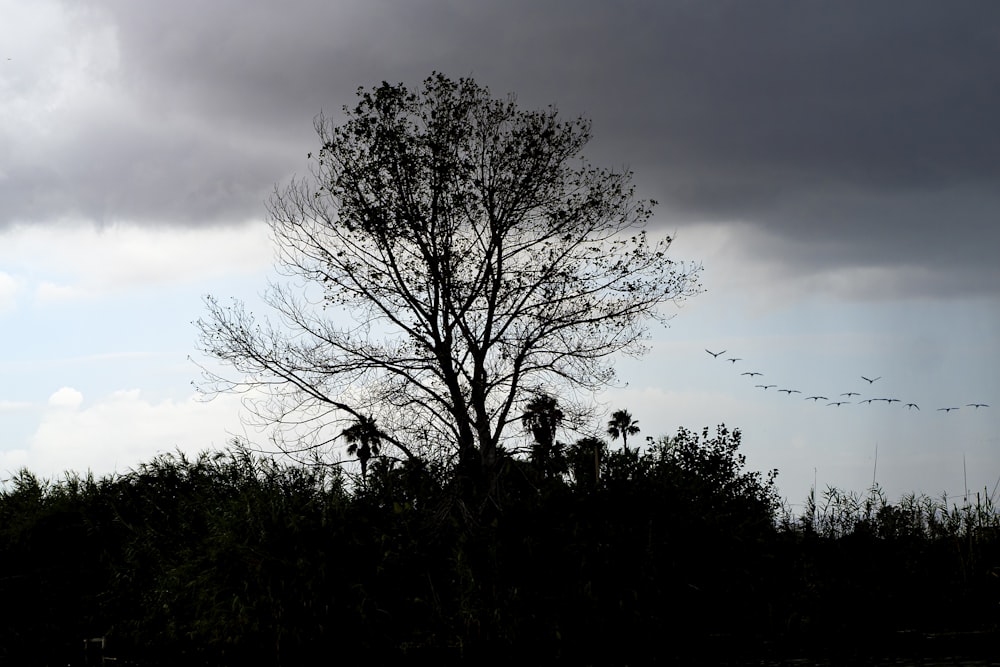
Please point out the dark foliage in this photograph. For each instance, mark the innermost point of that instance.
(652, 557)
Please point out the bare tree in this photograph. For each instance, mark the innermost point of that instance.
(456, 256)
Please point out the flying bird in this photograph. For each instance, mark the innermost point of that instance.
(751, 373)
(872, 380)
(838, 403)
(977, 405)
(947, 409)
(848, 394)
(910, 406)
(790, 391)
(887, 400)
(816, 398)
(765, 387)
(715, 354)
(868, 401)
(734, 359)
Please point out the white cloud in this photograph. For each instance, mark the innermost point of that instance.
(72, 261)
(66, 397)
(48, 292)
(14, 406)
(11, 461)
(8, 292)
(121, 430)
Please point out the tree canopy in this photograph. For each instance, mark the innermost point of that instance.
(460, 258)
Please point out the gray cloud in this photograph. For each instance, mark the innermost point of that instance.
(860, 133)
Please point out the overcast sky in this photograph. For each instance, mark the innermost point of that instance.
(833, 165)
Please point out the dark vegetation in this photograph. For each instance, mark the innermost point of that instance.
(676, 550)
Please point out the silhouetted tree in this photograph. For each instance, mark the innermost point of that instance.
(480, 253)
(363, 440)
(585, 457)
(622, 425)
(541, 417)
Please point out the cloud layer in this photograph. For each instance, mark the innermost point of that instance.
(840, 135)
(77, 436)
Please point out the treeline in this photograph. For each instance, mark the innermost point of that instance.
(588, 557)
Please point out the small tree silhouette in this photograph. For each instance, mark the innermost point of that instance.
(585, 458)
(363, 440)
(541, 417)
(622, 425)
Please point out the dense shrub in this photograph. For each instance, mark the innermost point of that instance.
(232, 558)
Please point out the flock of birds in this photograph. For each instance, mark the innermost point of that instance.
(848, 395)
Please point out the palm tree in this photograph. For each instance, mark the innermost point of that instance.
(363, 440)
(541, 417)
(622, 424)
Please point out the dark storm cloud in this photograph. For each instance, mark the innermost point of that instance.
(113, 173)
(860, 133)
